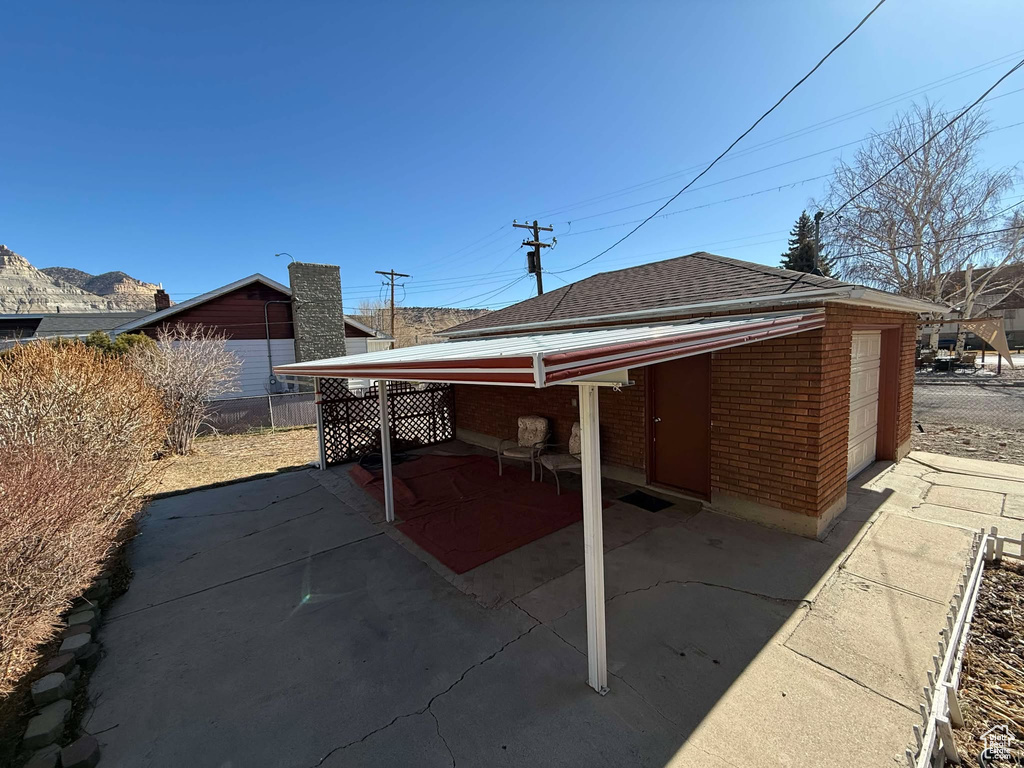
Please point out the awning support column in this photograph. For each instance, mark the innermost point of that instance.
(385, 451)
(317, 396)
(593, 538)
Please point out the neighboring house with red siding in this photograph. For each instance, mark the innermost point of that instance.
(256, 315)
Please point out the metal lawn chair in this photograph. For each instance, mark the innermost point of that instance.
(534, 432)
(563, 461)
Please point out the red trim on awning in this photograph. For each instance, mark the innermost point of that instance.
(682, 351)
(561, 358)
(398, 375)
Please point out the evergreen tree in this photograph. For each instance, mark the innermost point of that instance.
(800, 256)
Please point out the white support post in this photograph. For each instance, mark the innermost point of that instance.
(319, 422)
(593, 538)
(385, 451)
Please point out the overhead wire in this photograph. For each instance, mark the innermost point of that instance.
(738, 139)
(834, 213)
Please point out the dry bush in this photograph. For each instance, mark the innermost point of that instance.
(77, 429)
(189, 366)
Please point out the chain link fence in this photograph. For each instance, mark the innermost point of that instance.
(242, 414)
(973, 412)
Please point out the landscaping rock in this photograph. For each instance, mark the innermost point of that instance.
(90, 655)
(78, 629)
(87, 617)
(75, 644)
(75, 673)
(100, 590)
(47, 757)
(82, 753)
(46, 727)
(61, 663)
(49, 688)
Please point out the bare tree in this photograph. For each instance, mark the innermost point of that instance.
(921, 229)
(189, 366)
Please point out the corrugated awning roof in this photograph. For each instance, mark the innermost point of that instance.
(545, 359)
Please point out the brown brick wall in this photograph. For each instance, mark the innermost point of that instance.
(780, 412)
(494, 411)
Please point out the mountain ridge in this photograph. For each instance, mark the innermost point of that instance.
(26, 289)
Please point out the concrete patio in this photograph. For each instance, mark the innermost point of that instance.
(278, 623)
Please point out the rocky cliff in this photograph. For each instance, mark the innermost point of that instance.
(25, 289)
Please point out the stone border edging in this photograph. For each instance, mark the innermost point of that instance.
(53, 691)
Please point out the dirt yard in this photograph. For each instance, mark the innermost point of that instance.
(221, 458)
(992, 684)
(970, 442)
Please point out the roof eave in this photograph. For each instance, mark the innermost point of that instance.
(873, 298)
(779, 299)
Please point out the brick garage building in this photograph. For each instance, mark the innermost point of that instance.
(761, 430)
(760, 390)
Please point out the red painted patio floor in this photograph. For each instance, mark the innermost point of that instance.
(462, 512)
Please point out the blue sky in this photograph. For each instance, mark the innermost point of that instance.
(186, 142)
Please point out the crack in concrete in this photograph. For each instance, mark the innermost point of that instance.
(437, 727)
(427, 707)
(623, 680)
(688, 582)
(246, 576)
(853, 680)
(242, 511)
(251, 533)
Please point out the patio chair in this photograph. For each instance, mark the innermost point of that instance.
(563, 461)
(534, 432)
(927, 359)
(967, 362)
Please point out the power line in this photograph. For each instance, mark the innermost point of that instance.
(776, 188)
(956, 76)
(754, 172)
(940, 241)
(927, 141)
(741, 136)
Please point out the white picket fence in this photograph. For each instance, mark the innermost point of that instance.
(941, 712)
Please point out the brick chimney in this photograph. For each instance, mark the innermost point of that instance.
(161, 299)
(317, 315)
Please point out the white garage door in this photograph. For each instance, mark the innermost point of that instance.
(864, 365)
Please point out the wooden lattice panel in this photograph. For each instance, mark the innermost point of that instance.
(419, 415)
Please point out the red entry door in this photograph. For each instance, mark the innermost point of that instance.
(680, 412)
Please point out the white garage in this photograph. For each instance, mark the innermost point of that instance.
(865, 362)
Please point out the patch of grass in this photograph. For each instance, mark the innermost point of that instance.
(219, 459)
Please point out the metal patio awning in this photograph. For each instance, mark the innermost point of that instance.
(545, 359)
(585, 358)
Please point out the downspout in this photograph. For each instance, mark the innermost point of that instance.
(266, 321)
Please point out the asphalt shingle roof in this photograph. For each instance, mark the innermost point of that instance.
(84, 323)
(693, 279)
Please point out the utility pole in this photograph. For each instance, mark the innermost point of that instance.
(533, 257)
(391, 275)
(817, 241)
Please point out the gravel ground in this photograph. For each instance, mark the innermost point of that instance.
(971, 442)
(992, 682)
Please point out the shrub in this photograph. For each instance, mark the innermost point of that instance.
(189, 366)
(98, 340)
(77, 429)
(128, 343)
